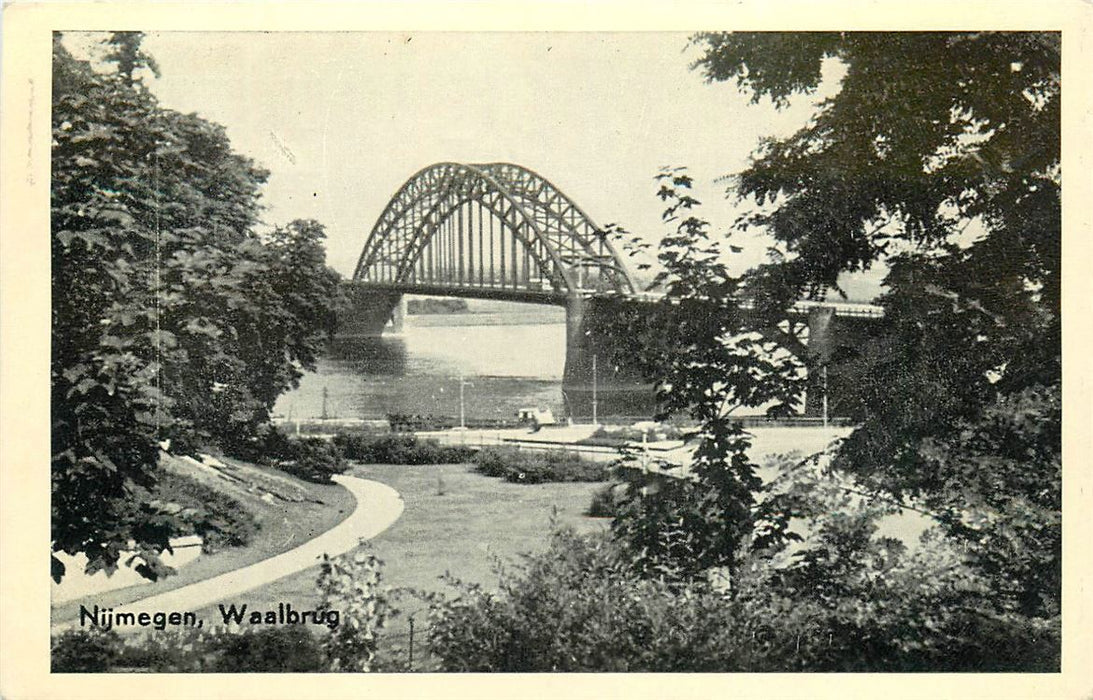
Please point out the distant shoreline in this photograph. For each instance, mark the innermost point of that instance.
(546, 316)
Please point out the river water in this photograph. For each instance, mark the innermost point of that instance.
(508, 360)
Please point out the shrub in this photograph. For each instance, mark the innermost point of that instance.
(436, 306)
(84, 651)
(314, 459)
(524, 467)
(580, 607)
(311, 459)
(289, 649)
(615, 437)
(583, 606)
(400, 449)
(352, 586)
(219, 519)
(605, 502)
(181, 650)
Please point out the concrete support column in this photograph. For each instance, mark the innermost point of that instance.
(821, 346)
(367, 312)
(596, 368)
(398, 315)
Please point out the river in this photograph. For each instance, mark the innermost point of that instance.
(509, 356)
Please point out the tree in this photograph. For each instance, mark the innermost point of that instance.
(125, 51)
(938, 155)
(172, 319)
(708, 355)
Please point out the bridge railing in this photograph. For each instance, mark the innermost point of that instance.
(852, 309)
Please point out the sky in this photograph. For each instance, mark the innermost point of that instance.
(342, 119)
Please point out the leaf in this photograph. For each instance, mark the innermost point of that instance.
(57, 569)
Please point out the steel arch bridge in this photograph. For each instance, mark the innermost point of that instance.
(491, 230)
(502, 231)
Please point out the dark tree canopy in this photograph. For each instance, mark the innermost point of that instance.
(927, 132)
(937, 155)
(172, 318)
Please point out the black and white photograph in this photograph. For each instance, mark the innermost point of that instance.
(681, 351)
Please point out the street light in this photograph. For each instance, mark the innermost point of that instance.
(595, 421)
(462, 383)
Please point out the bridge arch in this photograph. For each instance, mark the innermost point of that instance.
(496, 230)
(502, 231)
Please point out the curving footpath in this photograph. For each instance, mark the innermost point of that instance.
(378, 507)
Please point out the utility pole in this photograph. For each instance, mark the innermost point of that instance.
(825, 395)
(325, 415)
(595, 419)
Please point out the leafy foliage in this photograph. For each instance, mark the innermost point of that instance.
(290, 649)
(940, 154)
(353, 586)
(400, 449)
(847, 601)
(436, 306)
(625, 435)
(577, 607)
(84, 651)
(525, 467)
(604, 502)
(883, 602)
(926, 132)
(189, 650)
(708, 355)
(172, 319)
(220, 520)
(309, 458)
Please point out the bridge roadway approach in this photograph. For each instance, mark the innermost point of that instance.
(501, 231)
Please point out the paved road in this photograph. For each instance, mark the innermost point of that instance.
(378, 507)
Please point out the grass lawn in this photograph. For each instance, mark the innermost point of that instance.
(283, 526)
(455, 520)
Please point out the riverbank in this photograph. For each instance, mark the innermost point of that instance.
(534, 316)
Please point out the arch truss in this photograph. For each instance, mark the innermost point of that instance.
(494, 230)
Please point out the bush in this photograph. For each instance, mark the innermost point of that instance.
(220, 520)
(436, 306)
(314, 459)
(583, 606)
(615, 437)
(180, 650)
(85, 651)
(353, 586)
(523, 467)
(289, 649)
(605, 502)
(400, 449)
(311, 459)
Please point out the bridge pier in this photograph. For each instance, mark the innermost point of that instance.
(398, 315)
(597, 378)
(821, 345)
(833, 342)
(369, 310)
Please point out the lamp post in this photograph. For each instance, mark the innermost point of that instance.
(462, 383)
(595, 420)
